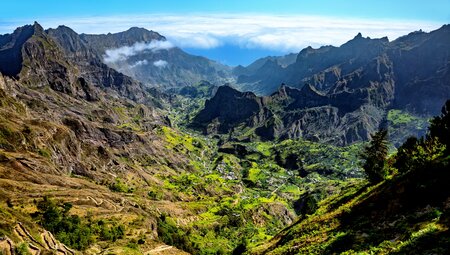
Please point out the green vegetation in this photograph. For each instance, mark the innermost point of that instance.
(10, 139)
(405, 213)
(44, 152)
(398, 117)
(170, 234)
(271, 177)
(440, 126)
(403, 124)
(71, 229)
(120, 186)
(22, 249)
(374, 156)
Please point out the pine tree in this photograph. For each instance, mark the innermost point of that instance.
(374, 156)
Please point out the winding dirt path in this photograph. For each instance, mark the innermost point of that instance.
(99, 202)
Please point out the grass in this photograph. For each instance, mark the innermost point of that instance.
(398, 117)
(44, 152)
(176, 140)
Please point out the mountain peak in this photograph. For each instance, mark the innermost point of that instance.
(63, 27)
(28, 30)
(138, 29)
(11, 46)
(36, 24)
(306, 51)
(358, 36)
(37, 28)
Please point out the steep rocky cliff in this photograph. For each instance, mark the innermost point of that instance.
(418, 61)
(293, 113)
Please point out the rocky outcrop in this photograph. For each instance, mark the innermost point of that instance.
(11, 49)
(64, 100)
(349, 112)
(95, 73)
(228, 108)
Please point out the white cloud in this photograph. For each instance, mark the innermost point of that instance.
(195, 40)
(276, 32)
(160, 63)
(139, 63)
(123, 53)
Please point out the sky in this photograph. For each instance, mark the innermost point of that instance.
(231, 31)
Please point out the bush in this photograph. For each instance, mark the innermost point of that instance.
(70, 229)
(440, 126)
(416, 154)
(120, 186)
(22, 249)
(170, 234)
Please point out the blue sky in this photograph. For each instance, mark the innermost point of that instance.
(232, 31)
(435, 10)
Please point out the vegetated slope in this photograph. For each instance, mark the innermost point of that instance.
(73, 135)
(406, 214)
(161, 66)
(419, 61)
(118, 177)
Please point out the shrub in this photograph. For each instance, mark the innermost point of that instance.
(170, 234)
(22, 249)
(120, 186)
(440, 126)
(70, 229)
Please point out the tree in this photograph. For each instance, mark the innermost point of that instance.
(404, 160)
(374, 156)
(440, 126)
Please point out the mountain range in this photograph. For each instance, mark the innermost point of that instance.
(146, 56)
(100, 151)
(340, 95)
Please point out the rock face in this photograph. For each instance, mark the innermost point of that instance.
(103, 42)
(352, 109)
(342, 94)
(65, 112)
(228, 108)
(174, 68)
(422, 70)
(294, 113)
(416, 62)
(94, 71)
(282, 61)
